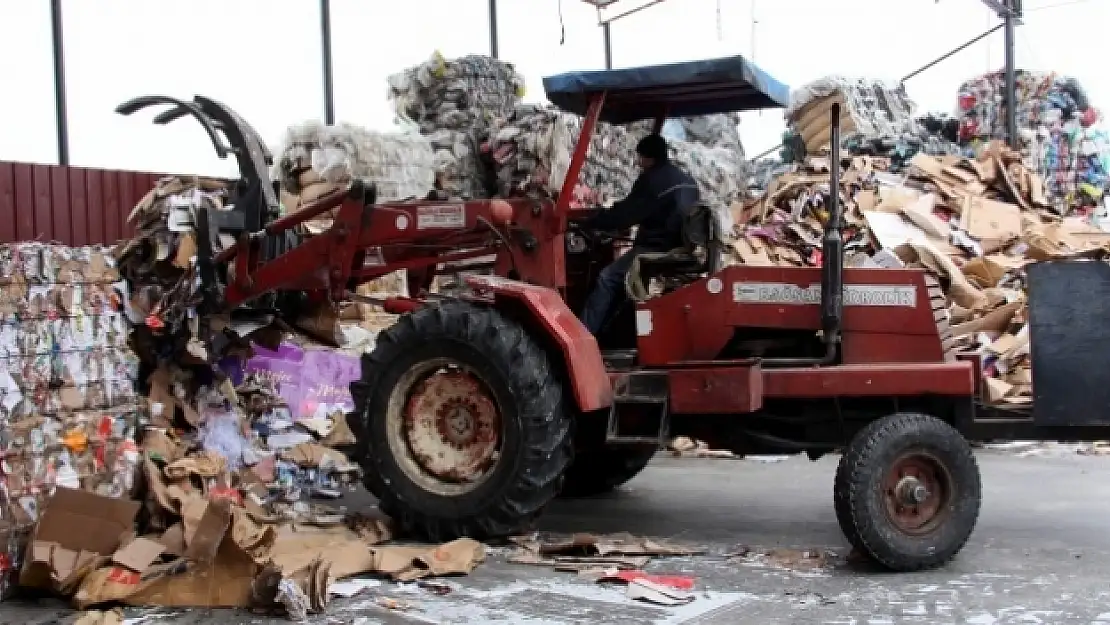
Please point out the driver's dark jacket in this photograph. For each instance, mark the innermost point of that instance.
(658, 199)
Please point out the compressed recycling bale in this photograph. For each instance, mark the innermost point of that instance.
(868, 107)
(402, 165)
(1059, 132)
(458, 163)
(533, 151)
(460, 94)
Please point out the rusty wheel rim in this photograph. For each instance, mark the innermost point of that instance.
(444, 427)
(917, 492)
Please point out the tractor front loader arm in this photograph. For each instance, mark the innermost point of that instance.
(253, 206)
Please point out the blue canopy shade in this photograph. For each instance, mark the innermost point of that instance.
(674, 90)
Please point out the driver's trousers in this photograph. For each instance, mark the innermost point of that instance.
(610, 284)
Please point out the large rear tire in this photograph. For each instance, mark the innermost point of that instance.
(462, 426)
(907, 492)
(602, 470)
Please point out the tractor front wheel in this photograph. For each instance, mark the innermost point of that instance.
(907, 492)
(463, 427)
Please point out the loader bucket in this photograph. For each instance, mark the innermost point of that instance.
(1070, 342)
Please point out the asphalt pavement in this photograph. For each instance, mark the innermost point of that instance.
(774, 554)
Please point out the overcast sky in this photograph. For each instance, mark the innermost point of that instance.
(262, 57)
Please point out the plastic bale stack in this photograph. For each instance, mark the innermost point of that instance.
(68, 408)
(456, 102)
(1059, 132)
(532, 150)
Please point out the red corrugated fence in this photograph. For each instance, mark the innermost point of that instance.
(70, 205)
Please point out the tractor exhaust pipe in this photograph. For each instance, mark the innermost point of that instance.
(832, 265)
(832, 248)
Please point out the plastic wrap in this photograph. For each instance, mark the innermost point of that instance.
(402, 165)
(68, 407)
(1060, 133)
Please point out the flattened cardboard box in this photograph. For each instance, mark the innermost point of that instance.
(77, 529)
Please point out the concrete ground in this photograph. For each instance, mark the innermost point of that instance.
(1040, 554)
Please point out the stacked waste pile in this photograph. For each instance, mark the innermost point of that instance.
(456, 102)
(1059, 132)
(876, 120)
(236, 461)
(720, 130)
(973, 222)
(68, 409)
(532, 150)
(869, 109)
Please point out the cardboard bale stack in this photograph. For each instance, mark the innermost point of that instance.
(974, 223)
(68, 408)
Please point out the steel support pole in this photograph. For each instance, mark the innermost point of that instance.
(494, 49)
(1010, 18)
(326, 63)
(60, 115)
(607, 37)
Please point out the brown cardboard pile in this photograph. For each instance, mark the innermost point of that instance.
(68, 409)
(219, 520)
(975, 223)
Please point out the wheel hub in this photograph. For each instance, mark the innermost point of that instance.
(912, 491)
(918, 493)
(452, 427)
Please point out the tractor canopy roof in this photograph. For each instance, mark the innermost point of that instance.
(673, 90)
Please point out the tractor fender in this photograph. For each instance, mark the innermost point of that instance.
(544, 312)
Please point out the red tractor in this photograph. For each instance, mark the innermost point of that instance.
(475, 411)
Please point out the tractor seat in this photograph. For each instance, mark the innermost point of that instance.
(701, 254)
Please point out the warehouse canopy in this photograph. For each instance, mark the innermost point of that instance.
(673, 90)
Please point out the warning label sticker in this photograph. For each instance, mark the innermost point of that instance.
(879, 295)
(444, 216)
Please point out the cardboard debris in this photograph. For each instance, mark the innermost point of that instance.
(643, 589)
(583, 552)
(685, 447)
(972, 222)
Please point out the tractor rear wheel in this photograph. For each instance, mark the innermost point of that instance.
(599, 471)
(907, 492)
(463, 427)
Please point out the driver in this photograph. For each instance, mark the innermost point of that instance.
(656, 204)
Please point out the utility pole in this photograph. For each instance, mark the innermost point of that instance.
(1011, 14)
(326, 62)
(61, 118)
